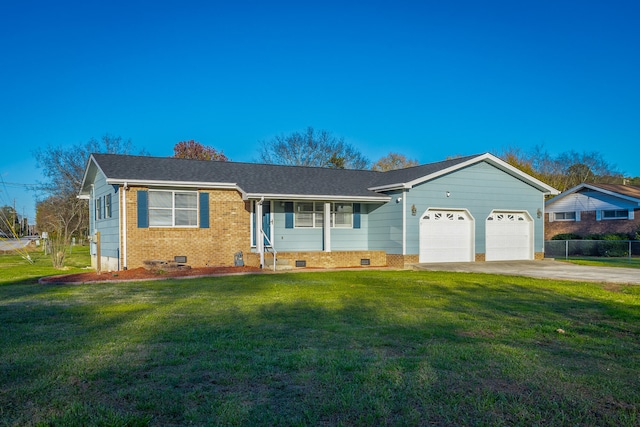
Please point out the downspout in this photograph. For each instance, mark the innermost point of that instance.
(124, 225)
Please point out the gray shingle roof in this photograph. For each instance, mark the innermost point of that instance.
(250, 177)
(264, 179)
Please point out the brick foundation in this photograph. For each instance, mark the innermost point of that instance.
(402, 261)
(337, 259)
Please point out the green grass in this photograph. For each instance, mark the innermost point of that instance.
(605, 262)
(321, 348)
(15, 269)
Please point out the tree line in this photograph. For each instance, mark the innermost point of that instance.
(64, 216)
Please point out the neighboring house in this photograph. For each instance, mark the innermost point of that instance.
(472, 208)
(594, 209)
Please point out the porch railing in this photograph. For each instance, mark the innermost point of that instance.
(266, 249)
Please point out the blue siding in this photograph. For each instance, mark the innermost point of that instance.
(312, 239)
(480, 188)
(385, 225)
(108, 227)
(352, 239)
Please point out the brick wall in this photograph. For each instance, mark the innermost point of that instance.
(401, 261)
(229, 232)
(589, 225)
(337, 259)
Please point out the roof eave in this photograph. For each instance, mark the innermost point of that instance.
(275, 196)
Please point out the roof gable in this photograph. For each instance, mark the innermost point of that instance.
(628, 193)
(410, 177)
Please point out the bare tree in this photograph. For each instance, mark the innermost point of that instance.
(393, 161)
(565, 170)
(62, 217)
(312, 148)
(64, 168)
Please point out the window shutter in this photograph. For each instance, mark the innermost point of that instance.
(598, 215)
(143, 209)
(288, 214)
(631, 214)
(577, 216)
(204, 210)
(356, 215)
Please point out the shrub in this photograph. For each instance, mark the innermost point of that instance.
(567, 236)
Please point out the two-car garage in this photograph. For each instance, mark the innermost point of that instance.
(449, 235)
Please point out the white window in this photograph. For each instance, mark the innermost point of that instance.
(565, 216)
(311, 214)
(342, 215)
(98, 206)
(616, 214)
(107, 206)
(173, 208)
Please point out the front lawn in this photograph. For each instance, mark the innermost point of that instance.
(322, 348)
(605, 261)
(15, 269)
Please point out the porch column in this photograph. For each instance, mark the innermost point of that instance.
(327, 227)
(259, 238)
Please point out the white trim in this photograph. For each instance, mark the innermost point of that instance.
(316, 197)
(123, 223)
(259, 238)
(163, 183)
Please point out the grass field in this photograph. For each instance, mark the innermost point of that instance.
(15, 269)
(605, 262)
(322, 348)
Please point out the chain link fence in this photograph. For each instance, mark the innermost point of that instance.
(591, 248)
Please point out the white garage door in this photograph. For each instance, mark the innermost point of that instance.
(446, 236)
(509, 236)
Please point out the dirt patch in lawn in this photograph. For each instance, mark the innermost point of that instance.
(144, 274)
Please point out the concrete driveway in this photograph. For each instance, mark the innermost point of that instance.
(546, 269)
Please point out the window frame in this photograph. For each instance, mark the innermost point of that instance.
(173, 209)
(615, 214)
(107, 206)
(564, 216)
(97, 208)
(316, 219)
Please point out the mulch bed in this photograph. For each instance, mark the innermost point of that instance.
(144, 274)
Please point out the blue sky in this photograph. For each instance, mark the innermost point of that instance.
(428, 79)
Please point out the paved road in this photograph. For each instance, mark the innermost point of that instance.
(546, 269)
(13, 244)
